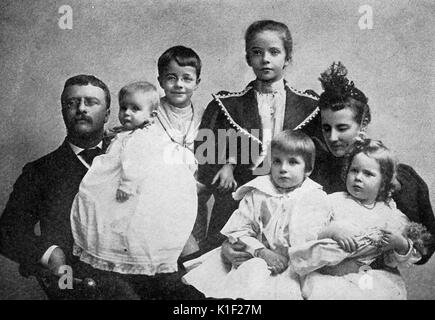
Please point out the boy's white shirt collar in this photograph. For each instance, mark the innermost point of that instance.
(179, 111)
(265, 185)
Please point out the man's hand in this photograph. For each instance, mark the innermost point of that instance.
(234, 253)
(56, 260)
(225, 178)
(121, 196)
(275, 261)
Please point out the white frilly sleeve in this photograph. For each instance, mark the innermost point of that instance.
(393, 258)
(244, 224)
(312, 213)
(306, 252)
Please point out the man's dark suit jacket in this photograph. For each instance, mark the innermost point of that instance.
(43, 193)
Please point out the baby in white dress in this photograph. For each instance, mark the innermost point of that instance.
(135, 208)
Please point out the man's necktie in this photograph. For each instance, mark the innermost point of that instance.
(89, 154)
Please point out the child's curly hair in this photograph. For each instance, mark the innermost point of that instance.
(376, 150)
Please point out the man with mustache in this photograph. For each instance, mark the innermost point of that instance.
(45, 190)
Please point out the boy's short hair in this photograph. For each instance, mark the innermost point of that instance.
(84, 80)
(142, 86)
(183, 56)
(297, 142)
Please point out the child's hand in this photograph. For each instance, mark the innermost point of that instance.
(226, 178)
(235, 253)
(344, 239)
(275, 261)
(394, 241)
(121, 196)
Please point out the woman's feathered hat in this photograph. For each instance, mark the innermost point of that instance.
(337, 86)
(338, 89)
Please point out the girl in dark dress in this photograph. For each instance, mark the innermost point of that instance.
(267, 106)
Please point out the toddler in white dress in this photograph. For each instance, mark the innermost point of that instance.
(365, 225)
(276, 211)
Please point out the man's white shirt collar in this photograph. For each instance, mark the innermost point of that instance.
(77, 150)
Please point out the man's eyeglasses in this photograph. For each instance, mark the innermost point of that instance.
(74, 103)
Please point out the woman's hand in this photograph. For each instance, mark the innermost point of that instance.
(394, 241)
(275, 261)
(225, 178)
(235, 253)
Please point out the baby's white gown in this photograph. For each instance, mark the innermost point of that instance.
(146, 233)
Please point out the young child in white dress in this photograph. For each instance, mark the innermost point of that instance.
(135, 208)
(276, 211)
(365, 224)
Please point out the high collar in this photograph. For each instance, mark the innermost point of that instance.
(265, 88)
(178, 111)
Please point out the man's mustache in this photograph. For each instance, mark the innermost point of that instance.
(83, 117)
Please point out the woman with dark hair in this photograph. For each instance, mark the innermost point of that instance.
(345, 116)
